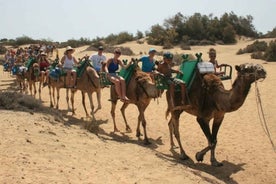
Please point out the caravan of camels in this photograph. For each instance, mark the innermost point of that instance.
(205, 96)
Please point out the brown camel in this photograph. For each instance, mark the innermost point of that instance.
(210, 100)
(21, 77)
(140, 90)
(33, 76)
(88, 83)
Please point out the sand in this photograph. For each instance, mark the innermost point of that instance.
(37, 148)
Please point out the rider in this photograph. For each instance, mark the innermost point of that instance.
(68, 61)
(43, 66)
(112, 65)
(166, 69)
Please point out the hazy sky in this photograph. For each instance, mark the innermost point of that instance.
(60, 20)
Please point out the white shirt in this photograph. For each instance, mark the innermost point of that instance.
(68, 63)
(97, 61)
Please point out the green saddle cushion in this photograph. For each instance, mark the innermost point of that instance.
(188, 69)
(82, 66)
(127, 73)
(30, 62)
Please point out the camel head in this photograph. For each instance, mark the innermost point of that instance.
(36, 69)
(251, 72)
(145, 82)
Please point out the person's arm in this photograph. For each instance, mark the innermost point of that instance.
(62, 61)
(106, 66)
(75, 61)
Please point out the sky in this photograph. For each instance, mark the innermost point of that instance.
(61, 20)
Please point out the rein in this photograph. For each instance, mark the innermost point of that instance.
(262, 116)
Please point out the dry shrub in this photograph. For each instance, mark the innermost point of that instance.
(17, 101)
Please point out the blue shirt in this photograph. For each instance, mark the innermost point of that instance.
(113, 67)
(147, 65)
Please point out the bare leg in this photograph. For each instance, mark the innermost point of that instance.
(123, 89)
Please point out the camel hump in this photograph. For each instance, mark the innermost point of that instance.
(211, 81)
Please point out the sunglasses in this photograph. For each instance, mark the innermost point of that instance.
(118, 53)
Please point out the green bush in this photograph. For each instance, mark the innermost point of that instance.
(270, 53)
(3, 49)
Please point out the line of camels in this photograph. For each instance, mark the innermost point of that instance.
(208, 99)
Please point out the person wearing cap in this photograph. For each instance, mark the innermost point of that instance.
(165, 68)
(68, 61)
(98, 59)
(43, 67)
(148, 62)
(112, 65)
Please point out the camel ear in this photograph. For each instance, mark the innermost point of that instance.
(238, 68)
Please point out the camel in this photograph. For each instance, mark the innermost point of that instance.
(21, 76)
(140, 90)
(33, 76)
(210, 100)
(88, 83)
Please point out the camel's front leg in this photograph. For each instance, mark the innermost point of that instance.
(57, 104)
(73, 102)
(67, 99)
(91, 104)
(113, 107)
(99, 94)
(123, 108)
(215, 128)
(50, 94)
(113, 98)
(212, 140)
(83, 103)
(144, 123)
(39, 91)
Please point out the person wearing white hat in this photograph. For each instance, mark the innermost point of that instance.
(68, 61)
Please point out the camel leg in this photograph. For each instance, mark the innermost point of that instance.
(99, 94)
(39, 91)
(212, 141)
(57, 104)
(123, 108)
(34, 89)
(144, 123)
(175, 121)
(113, 107)
(170, 124)
(72, 102)
(113, 97)
(83, 104)
(67, 99)
(31, 88)
(91, 104)
(215, 129)
(51, 100)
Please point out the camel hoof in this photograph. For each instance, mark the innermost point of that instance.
(138, 134)
(147, 142)
(128, 130)
(183, 156)
(199, 156)
(174, 147)
(217, 164)
(116, 130)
